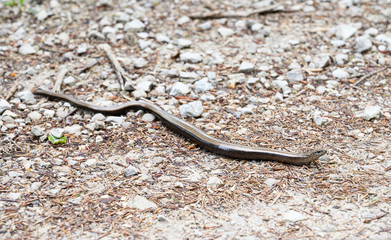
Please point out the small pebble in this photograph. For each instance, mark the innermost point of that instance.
(190, 57)
(135, 25)
(246, 67)
(130, 171)
(193, 109)
(57, 132)
(34, 116)
(371, 112)
(179, 89)
(27, 49)
(340, 73)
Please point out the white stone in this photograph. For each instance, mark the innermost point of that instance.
(27, 49)
(345, 31)
(69, 81)
(4, 105)
(135, 25)
(341, 58)
(37, 131)
(246, 67)
(193, 109)
(214, 181)
(183, 20)
(74, 129)
(294, 76)
(371, 112)
(140, 63)
(191, 57)
(202, 85)
(130, 171)
(35, 186)
(137, 94)
(363, 44)
(57, 132)
(34, 116)
(225, 32)
(340, 73)
(318, 120)
(145, 86)
(140, 202)
(115, 119)
(293, 216)
(14, 196)
(162, 38)
(179, 89)
(148, 117)
(184, 43)
(270, 182)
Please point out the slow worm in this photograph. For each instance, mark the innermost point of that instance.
(194, 134)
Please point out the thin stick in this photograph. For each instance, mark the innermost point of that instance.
(12, 90)
(220, 14)
(122, 75)
(59, 79)
(363, 78)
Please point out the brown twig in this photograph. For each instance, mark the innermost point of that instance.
(366, 76)
(13, 90)
(375, 218)
(221, 14)
(59, 79)
(122, 75)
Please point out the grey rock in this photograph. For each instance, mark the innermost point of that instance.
(130, 171)
(35, 186)
(188, 76)
(193, 109)
(318, 120)
(293, 216)
(363, 44)
(98, 117)
(144, 44)
(69, 81)
(74, 129)
(184, 43)
(172, 73)
(294, 76)
(246, 67)
(214, 181)
(278, 97)
(179, 89)
(205, 25)
(322, 61)
(7, 119)
(137, 94)
(371, 112)
(386, 38)
(371, 31)
(140, 63)
(115, 119)
(27, 49)
(191, 57)
(225, 32)
(62, 112)
(34, 116)
(211, 75)
(141, 203)
(57, 132)
(279, 84)
(148, 117)
(341, 58)
(108, 30)
(4, 105)
(14, 196)
(49, 113)
(183, 20)
(270, 182)
(145, 86)
(337, 42)
(162, 38)
(82, 48)
(202, 85)
(37, 131)
(135, 25)
(207, 97)
(340, 73)
(345, 31)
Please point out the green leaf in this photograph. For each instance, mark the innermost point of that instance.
(54, 140)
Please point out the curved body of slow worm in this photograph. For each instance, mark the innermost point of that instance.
(196, 135)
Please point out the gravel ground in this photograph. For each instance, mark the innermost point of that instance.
(288, 75)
